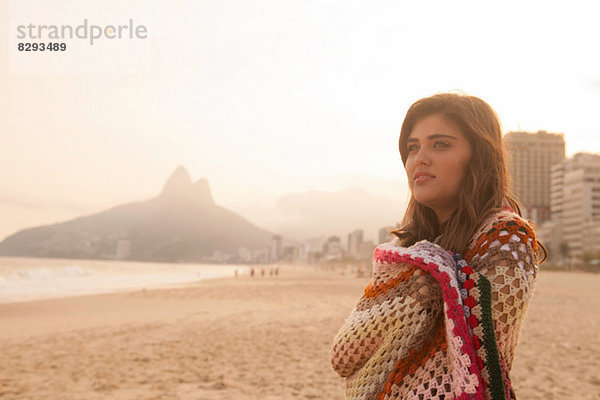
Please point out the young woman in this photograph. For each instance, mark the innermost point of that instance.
(440, 318)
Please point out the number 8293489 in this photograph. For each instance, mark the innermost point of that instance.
(50, 46)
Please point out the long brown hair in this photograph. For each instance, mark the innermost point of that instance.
(485, 186)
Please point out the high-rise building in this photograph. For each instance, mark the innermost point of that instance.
(332, 249)
(355, 239)
(531, 155)
(275, 252)
(290, 254)
(576, 203)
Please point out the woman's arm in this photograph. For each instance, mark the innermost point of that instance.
(378, 318)
(507, 256)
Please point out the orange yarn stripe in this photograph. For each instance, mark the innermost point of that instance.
(512, 227)
(375, 290)
(416, 359)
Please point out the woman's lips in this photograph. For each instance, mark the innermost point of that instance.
(421, 177)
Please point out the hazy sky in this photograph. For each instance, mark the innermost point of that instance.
(266, 98)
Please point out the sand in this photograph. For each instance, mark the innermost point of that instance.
(261, 338)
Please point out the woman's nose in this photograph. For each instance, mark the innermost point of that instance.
(423, 157)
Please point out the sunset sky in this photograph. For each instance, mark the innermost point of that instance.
(266, 98)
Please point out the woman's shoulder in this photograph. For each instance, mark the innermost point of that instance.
(504, 229)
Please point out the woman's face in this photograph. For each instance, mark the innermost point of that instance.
(438, 156)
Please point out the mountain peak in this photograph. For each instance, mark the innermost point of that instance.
(183, 223)
(201, 190)
(179, 181)
(179, 188)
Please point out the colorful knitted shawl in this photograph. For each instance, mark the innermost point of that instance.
(431, 326)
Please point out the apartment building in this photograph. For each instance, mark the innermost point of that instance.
(530, 157)
(575, 203)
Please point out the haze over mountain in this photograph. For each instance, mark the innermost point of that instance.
(183, 223)
(309, 214)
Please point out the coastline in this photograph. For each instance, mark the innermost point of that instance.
(25, 279)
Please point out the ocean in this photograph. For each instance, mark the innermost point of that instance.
(25, 279)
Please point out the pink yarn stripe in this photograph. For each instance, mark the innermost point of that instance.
(455, 311)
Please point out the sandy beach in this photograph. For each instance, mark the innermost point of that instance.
(261, 338)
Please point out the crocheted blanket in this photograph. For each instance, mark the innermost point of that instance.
(422, 330)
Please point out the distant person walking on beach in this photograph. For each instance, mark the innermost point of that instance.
(440, 318)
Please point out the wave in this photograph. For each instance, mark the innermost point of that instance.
(46, 273)
(33, 279)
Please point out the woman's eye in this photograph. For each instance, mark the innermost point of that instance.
(440, 145)
(412, 147)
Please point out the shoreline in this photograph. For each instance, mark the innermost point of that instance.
(28, 279)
